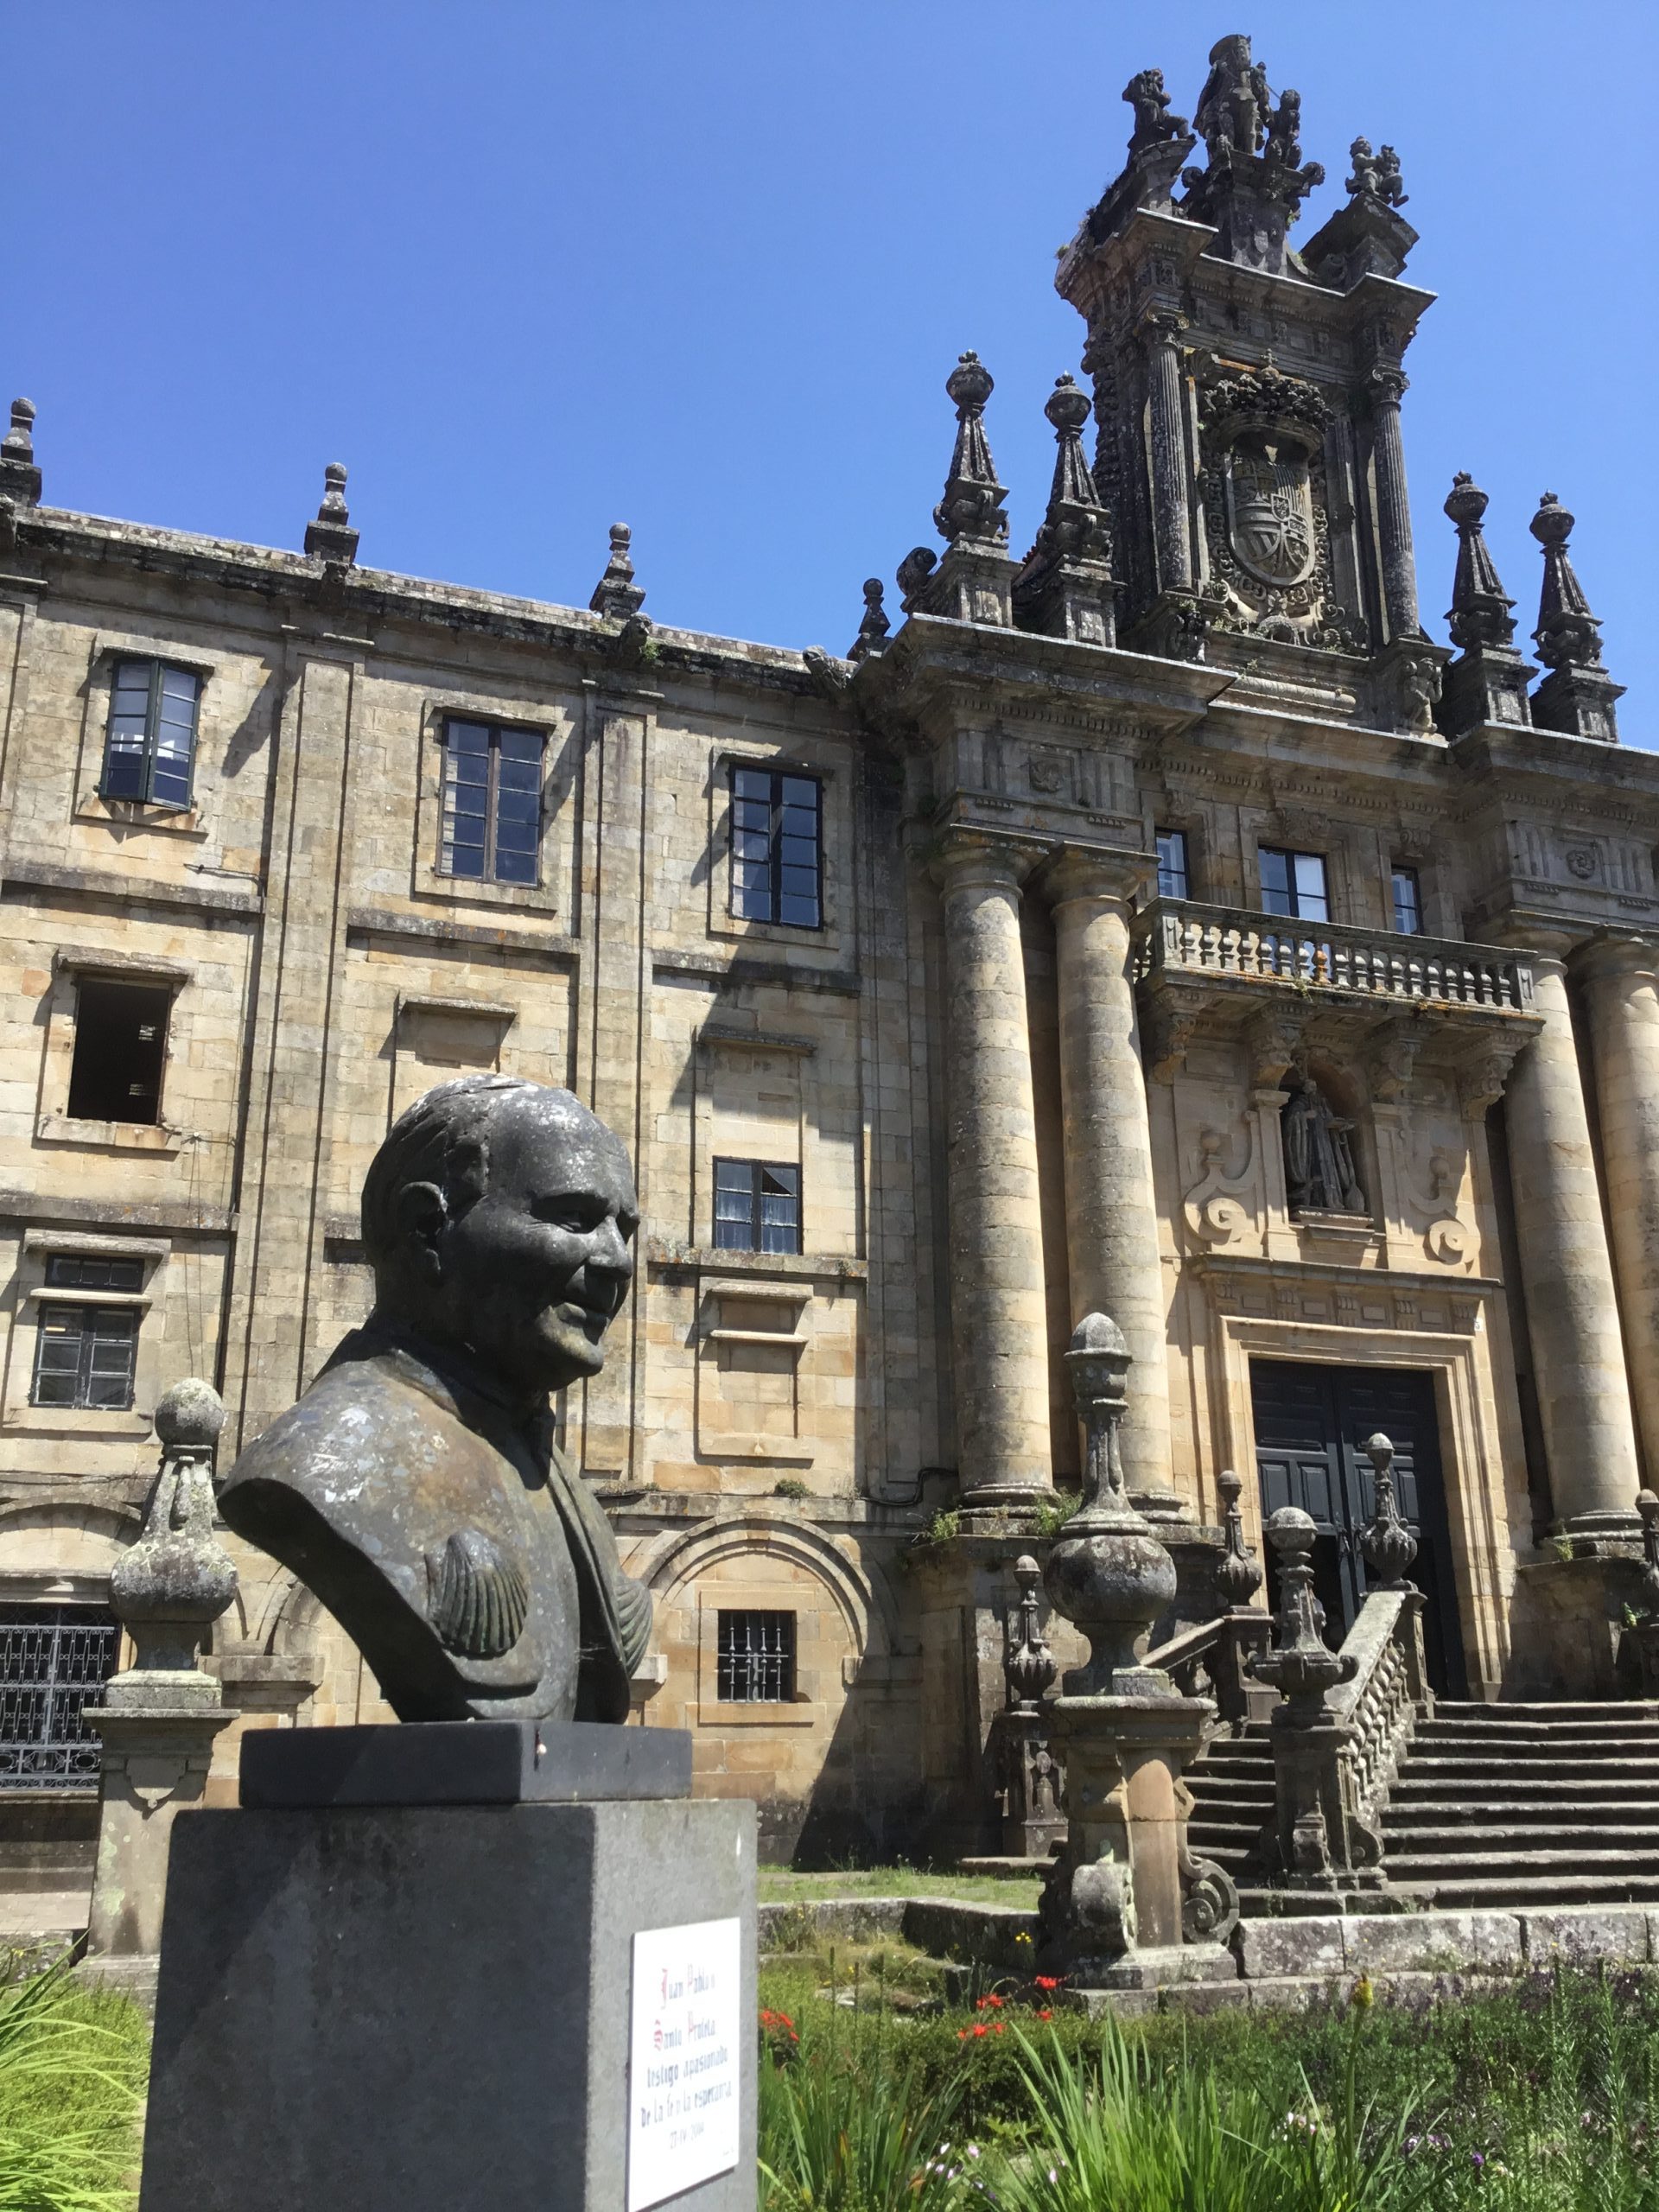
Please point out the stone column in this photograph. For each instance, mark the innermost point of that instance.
(1622, 976)
(1387, 386)
(1584, 1398)
(1171, 528)
(998, 1318)
(1110, 1201)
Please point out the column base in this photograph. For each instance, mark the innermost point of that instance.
(1622, 1521)
(1018, 1495)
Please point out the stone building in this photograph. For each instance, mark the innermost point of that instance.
(1159, 924)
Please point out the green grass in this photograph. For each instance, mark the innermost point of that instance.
(783, 1886)
(72, 2067)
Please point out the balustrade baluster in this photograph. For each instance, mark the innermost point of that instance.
(1230, 949)
(1211, 946)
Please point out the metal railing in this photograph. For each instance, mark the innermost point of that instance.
(54, 1661)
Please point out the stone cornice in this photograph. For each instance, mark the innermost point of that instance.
(364, 599)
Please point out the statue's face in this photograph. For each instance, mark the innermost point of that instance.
(533, 1272)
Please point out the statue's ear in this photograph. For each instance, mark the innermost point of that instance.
(422, 1218)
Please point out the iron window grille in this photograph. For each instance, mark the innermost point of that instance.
(757, 1206)
(1293, 883)
(1407, 902)
(492, 802)
(54, 1659)
(777, 848)
(86, 1358)
(756, 1659)
(115, 1072)
(150, 747)
(1171, 864)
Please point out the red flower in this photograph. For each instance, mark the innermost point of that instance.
(1048, 1980)
(1045, 2014)
(982, 2031)
(1001, 2027)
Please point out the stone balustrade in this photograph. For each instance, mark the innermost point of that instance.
(1233, 945)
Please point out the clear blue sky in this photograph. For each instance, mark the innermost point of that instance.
(704, 265)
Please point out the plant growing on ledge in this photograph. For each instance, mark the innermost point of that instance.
(789, 1486)
(1051, 1519)
(943, 1528)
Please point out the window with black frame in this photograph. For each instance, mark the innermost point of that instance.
(1407, 902)
(85, 1355)
(1171, 864)
(757, 1206)
(492, 802)
(1293, 883)
(755, 1660)
(150, 745)
(777, 848)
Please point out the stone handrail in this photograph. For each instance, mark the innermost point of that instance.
(1181, 938)
(1219, 1648)
(1375, 1713)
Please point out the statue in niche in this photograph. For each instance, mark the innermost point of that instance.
(416, 1488)
(1319, 1172)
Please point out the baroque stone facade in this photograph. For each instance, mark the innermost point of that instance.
(1158, 924)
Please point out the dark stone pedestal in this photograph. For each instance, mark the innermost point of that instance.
(403, 2007)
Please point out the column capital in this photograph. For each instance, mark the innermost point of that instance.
(1616, 953)
(1387, 385)
(1085, 872)
(966, 859)
(1164, 326)
(1546, 939)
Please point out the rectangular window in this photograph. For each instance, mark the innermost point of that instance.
(1407, 902)
(492, 803)
(84, 1357)
(757, 1206)
(756, 1658)
(54, 1661)
(777, 848)
(1171, 864)
(69, 1271)
(149, 752)
(120, 1051)
(1293, 883)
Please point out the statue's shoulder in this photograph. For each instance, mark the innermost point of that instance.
(367, 1412)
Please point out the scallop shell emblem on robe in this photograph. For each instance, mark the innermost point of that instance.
(477, 1598)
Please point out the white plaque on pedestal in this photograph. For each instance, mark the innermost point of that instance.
(684, 2046)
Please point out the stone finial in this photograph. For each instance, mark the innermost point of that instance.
(1386, 1540)
(872, 639)
(1300, 1665)
(1238, 1575)
(972, 505)
(1568, 635)
(616, 595)
(1064, 587)
(330, 538)
(1028, 1663)
(1577, 697)
(169, 1587)
(1479, 613)
(20, 480)
(1075, 524)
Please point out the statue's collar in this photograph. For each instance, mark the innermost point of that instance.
(449, 1372)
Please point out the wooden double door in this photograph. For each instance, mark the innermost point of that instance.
(1311, 1426)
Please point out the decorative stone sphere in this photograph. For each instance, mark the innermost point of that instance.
(1099, 1332)
(1113, 1586)
(969, 384)
(1291, 1532)
(191, 1413)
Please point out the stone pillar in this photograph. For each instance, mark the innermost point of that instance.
(1172, 531)
(1584, 1398)
(1110, 1200)
(1387, 386)
(160, 1715)
(998, 1318)
(1622, 976)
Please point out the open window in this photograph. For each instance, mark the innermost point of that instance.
(120, 1050)
(150, 746)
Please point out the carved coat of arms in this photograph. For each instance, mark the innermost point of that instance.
(1270, 510)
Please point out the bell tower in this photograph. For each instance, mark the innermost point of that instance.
(1247, 397)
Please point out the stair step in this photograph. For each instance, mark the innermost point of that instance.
(1428, 1865)
(1574, 1742)
(1547, 1709)
(1623, 1815)
(1580, 1841)
(1498, 1894)
(1462, 1776)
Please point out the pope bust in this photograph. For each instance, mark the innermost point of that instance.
(416, 1487)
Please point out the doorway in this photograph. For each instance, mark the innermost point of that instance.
(1311, 1426)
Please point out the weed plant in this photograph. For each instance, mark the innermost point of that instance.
(72, 2067)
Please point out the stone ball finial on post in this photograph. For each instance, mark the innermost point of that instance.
(1387, 1540)
(1109, 1575)
(1238, 1575)
(169, 1587)
(1300, 1665)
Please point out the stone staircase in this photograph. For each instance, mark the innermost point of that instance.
(1497, 1806)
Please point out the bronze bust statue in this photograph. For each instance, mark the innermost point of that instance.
(416, 1487)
